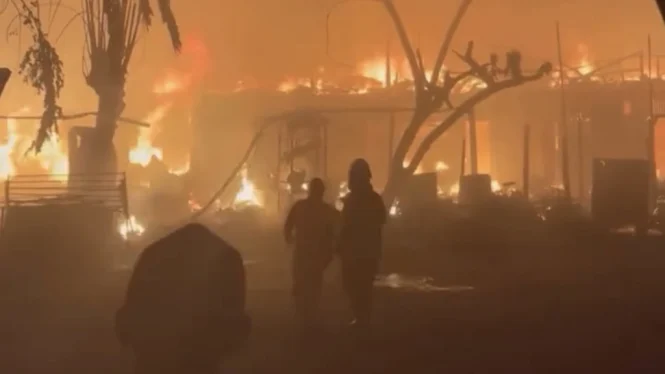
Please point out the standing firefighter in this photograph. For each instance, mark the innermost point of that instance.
(310, 225)
(363, 217)
(185, 304)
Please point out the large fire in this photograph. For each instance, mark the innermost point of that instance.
(144, 150)
(14, 154)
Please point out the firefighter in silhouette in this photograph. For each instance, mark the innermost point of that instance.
(310, 226)
(185, 304)
(360, 242)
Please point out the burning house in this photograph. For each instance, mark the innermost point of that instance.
(605, 115)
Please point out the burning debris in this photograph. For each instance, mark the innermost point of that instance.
(248, 195)
(131, 227)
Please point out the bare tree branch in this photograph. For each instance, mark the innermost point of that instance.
(448, 39)
(469, 104)
(407, 46)
(478, 70)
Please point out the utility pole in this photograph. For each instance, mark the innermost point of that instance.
(565, 166)
(473, 143)
(526, 162)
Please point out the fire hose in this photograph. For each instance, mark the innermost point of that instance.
(266, 123)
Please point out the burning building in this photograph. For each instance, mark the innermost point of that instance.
(605, 114)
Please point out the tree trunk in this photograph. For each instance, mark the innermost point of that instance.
(398, 174)
(396, 180)
(101, 154)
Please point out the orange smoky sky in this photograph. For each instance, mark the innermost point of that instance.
(268, 40)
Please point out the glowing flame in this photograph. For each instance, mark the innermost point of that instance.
(193, 204)
(172, 83)
(454, 189)
(343, 191)
(7, 166)
(584, 66)
(376, 69)
(181, 170)
(441, 166)
(247, 195)
(395, 210)
(144, 150)
(52, 158)
(470, 84)
(130, 227)
(292, 84)
(419, 169)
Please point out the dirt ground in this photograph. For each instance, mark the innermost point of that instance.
(537, 310)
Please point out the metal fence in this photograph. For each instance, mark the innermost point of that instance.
(104, 190)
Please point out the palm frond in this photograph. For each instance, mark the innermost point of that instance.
(146, 12)
(169, 19)
(42, 68)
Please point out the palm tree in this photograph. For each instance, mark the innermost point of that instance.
(111, 29)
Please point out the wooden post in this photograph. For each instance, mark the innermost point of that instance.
(324, 129)
(526, 162)
(651, 146)
(388, 77)
(565, 167)
(6, 207)
(580, 158)
(391, 118)
(391, 139)
(278, 170)
(463, 160)
(658, 67)
(473, 143)
(125, 207)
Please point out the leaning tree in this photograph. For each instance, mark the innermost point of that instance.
(435, 93)
(111, 29)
